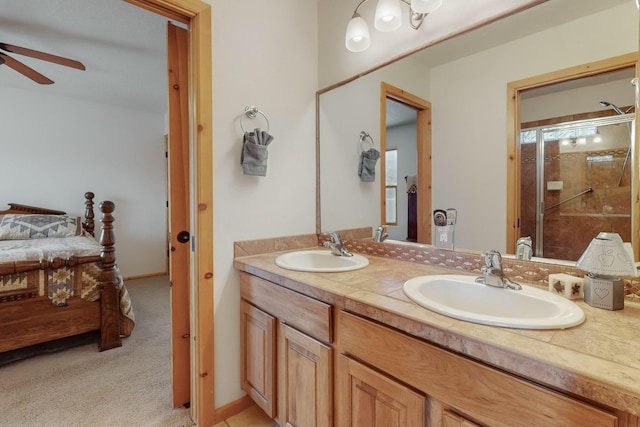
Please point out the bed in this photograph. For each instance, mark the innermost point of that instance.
(57, 280)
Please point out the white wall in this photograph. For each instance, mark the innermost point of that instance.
(264, 54)
(576, 101)
(344, 113)
(54, 149)
(469, 114)
(336, 63)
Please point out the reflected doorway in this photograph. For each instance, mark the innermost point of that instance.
(401, 172)
(576, 96)
(405, 139)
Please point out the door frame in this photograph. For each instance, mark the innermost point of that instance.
(514, 89)
(423, 149)
(197, 15)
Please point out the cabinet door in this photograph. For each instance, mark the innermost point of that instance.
(367, 398)
(258, 347)
(451, 419)
(304, 380)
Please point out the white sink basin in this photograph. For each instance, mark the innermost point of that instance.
(321, 261)
(462, 298)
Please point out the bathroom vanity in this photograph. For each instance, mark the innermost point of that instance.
(350, 349)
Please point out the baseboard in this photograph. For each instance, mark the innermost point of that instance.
(144, 276)
(233, 408)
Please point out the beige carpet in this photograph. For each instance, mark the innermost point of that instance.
(128, 386)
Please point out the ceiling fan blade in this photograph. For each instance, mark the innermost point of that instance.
(43, 56)
(24, 70)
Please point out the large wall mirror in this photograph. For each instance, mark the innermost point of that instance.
(466, 80)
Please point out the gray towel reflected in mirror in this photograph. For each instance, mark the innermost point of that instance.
(367, 165)
(254, 152)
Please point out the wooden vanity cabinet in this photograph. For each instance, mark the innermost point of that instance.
(382, 376)
(287, 366)
(304, 385)
(258, 355)
(451, 419)
(460, 391)
(368, 398)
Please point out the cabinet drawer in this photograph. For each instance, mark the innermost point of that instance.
(487, 394)
(306, 314)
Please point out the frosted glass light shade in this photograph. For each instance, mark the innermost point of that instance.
(357, 36)
(607, 256)
(388, 15)
(425, 6)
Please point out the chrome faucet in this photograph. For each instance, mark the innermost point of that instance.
(380, 235)
(492, 273)
(336, 246)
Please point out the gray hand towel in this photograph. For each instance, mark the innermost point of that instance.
(367, 165)
(254, 155)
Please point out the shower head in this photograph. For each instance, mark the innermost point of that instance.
(612, 106)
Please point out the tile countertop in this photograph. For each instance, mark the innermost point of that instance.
(598, 360)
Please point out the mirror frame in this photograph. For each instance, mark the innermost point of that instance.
(514, 90)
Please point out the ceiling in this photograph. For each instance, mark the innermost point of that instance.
(123, 48)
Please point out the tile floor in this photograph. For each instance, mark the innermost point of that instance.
(251, 417)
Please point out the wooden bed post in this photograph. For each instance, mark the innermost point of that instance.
(89, 224)
(109, 305)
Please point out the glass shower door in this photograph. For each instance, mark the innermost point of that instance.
(580, 174)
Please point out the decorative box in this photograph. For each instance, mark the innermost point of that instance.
(566, 285)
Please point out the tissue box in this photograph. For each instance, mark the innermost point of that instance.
(566, 285)
(607, 293)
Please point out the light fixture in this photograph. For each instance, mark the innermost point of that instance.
(388, 17)
(425, 6)
(606, 258)
(357, 38)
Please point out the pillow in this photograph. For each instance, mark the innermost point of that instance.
(21, 226)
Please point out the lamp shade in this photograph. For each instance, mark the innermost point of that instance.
(607, 256)
(425, 6)
(388, 15)
(357, 36)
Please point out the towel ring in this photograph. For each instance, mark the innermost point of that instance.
(252, 112)
(363, 137)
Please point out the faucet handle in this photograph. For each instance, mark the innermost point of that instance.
(335, 237)
(497, 259)
(492, 259)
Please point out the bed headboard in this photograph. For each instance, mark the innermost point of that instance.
(88, 224)
(17, 208)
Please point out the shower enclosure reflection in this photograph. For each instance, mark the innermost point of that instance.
(577, 172)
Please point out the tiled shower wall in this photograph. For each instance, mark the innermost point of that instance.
(568, 228)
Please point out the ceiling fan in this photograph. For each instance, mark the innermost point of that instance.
(28, 71)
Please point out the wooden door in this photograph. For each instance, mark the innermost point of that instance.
(258, 357)
(367, 398)
(304, 380)
(179, 202)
